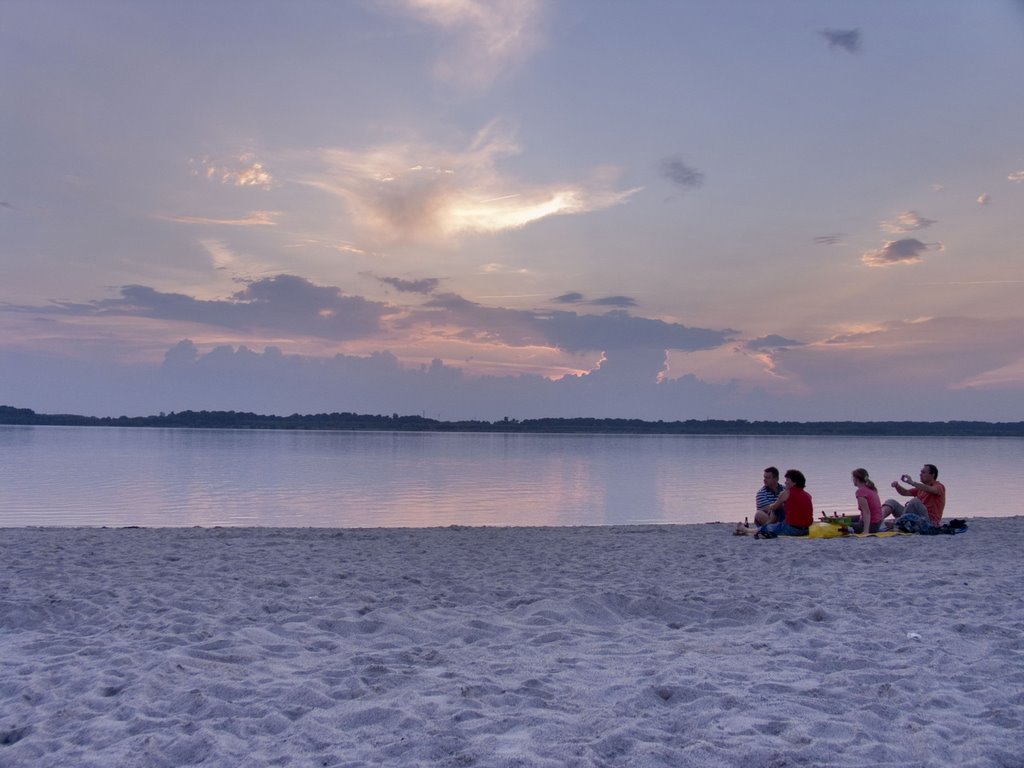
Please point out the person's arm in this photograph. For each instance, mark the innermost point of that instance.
(932, 489)
(901, 490)
(771, 508)
(865, 514)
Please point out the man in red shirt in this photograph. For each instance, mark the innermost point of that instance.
(929, 494)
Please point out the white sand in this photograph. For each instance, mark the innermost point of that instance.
(622, 646)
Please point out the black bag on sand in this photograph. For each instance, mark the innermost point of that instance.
(953, 526)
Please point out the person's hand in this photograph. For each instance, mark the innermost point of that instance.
(895, 484)
(905, 478)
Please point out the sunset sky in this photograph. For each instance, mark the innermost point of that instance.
(485, 208)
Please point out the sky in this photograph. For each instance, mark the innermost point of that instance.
(479, 209)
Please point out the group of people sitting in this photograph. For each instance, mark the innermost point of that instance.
(787, 509)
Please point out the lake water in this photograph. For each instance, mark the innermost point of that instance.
(186, 477)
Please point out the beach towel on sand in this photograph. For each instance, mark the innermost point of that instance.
(823, 530)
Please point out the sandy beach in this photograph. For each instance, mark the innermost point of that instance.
(615, 646)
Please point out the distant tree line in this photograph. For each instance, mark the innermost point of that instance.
(396, 423)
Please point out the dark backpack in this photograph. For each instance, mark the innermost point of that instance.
(909, 522)
(953, 526)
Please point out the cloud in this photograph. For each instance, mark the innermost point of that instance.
(846, 39)
(605, 301)
(833, 239)
(628, 371)
(908, 221)
(221, 254)
(425, 285)
(225, 377)
(568, 331)
(943, 351)
(410, 192)
(293, 307)
(460, 319)
(253, 219)
(900, 370)
(1009, 377)
(772, 341)
(243, 171)
(7, 205)
(281, 304)
(618, 330)
(350, 248)
(1016, 176)
(569, 298)
(915, 369)
(681, 174)
(984, 199)
(489, 37)
(907, 251)
(614, 301)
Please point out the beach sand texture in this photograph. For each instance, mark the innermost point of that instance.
(616, 646)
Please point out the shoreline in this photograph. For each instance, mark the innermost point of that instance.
(652, 645)
(294, 529)
(569, 426)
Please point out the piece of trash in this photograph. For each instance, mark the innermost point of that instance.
(913, 636)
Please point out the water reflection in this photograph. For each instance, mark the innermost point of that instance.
(158, 477)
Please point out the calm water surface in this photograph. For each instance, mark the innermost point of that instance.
(184, 477)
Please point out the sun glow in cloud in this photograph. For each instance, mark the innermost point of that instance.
(418, 193)
(906, 251)
(733, 365)
(243, 171)
(908, 221)
(512, 212)
(1005, 377)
